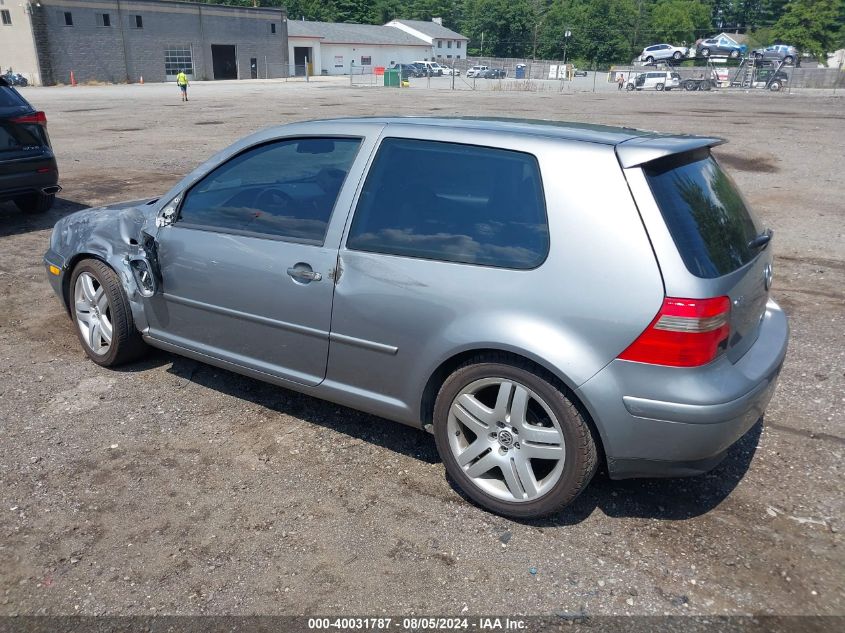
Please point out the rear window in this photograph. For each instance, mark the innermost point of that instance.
(9, 97)
(705, 213)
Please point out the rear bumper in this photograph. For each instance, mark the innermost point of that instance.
(663, 421)
(20, 178)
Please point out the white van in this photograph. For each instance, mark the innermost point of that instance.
(655, 80)
(432, 68)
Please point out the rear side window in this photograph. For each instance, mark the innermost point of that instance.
(455, 203)
(705, 213)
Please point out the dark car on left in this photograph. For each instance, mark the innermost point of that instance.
(29, 175)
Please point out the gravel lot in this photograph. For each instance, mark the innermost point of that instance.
(174, 487)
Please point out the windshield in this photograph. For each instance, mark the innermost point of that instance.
(706, 215)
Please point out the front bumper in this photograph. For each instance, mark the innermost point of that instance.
(666, 421)
(53, 262)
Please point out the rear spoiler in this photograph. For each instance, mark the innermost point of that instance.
(644, 149)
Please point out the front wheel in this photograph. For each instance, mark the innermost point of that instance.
(35, 202)
(789, 60)
(649, 59)
(677, 55)
(629, 87)
(511, 439)
(705, 52)
(659, 87)
(775, 86)
(102, 315)
(734, 54)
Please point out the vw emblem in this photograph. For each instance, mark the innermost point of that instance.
(767, 276)
(506, 439)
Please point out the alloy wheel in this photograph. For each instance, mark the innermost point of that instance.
(93, 313)
(506, 439)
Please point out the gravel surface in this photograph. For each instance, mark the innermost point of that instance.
(170, 486)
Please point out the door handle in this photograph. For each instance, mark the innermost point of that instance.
(303, 273)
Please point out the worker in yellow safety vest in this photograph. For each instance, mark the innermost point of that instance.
(182, 82)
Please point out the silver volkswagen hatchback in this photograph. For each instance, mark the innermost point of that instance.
(541, 297)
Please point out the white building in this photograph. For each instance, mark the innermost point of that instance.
(446, 43)
(331, 48)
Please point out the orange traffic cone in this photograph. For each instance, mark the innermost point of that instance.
(142, 80)
(72, 79)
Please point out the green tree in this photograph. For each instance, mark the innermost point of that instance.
(602, 30)
(679, 21)
(813, 26)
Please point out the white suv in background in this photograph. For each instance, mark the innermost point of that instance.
(432, 68)
(657, 52)
(655, 80)
(475, 71)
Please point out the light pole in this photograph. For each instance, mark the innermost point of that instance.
(566, 36)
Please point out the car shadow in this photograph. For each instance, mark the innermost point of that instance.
(13, 221)
(355, 424)
(674, 499)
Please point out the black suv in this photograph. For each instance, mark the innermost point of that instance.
(28, 171)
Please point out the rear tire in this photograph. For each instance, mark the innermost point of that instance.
(525, 413)
(705, 52)
(629, 87)
(112, 312)
(789, 59)
(734, 54)
(36, 202)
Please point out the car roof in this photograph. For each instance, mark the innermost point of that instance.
(634, 147)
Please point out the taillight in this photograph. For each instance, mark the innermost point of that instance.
(36, 117)
(685, 333)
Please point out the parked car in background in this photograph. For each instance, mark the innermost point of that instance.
(766, 77)
(475, 70)
(409, 70)
(577, 72)
(655, 80)
(719, 47)
(28, 172)
(778, 52)
(475, 306)
(449, 71)
(430, 68)
(659, 52)
(493, 73)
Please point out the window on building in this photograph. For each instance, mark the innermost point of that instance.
(457, 56)
(458, 44)
(103, 19)
(470, 204)
(448, 57)
(439, 43)
(68, 18)
(176, 58)
(449, 44)
(139, 22)
(284, 189)
(366, 60)
(6, 17)
(272, 27)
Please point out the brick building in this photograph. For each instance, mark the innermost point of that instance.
(123, 40)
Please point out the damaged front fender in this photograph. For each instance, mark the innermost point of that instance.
(121, 235)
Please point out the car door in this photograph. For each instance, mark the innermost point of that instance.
(247, 267)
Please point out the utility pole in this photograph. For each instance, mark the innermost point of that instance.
(482, 43)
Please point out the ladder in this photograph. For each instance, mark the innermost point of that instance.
(745, 72)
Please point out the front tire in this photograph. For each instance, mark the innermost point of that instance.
(734, 54)
(789, 60)
(677, 55)
(511, 439)
(36, 202)
(649, 59)
(775, 86)
(102, 315)
(705, 52)
(659, 87)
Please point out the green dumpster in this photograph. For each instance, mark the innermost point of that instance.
(391, 77)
